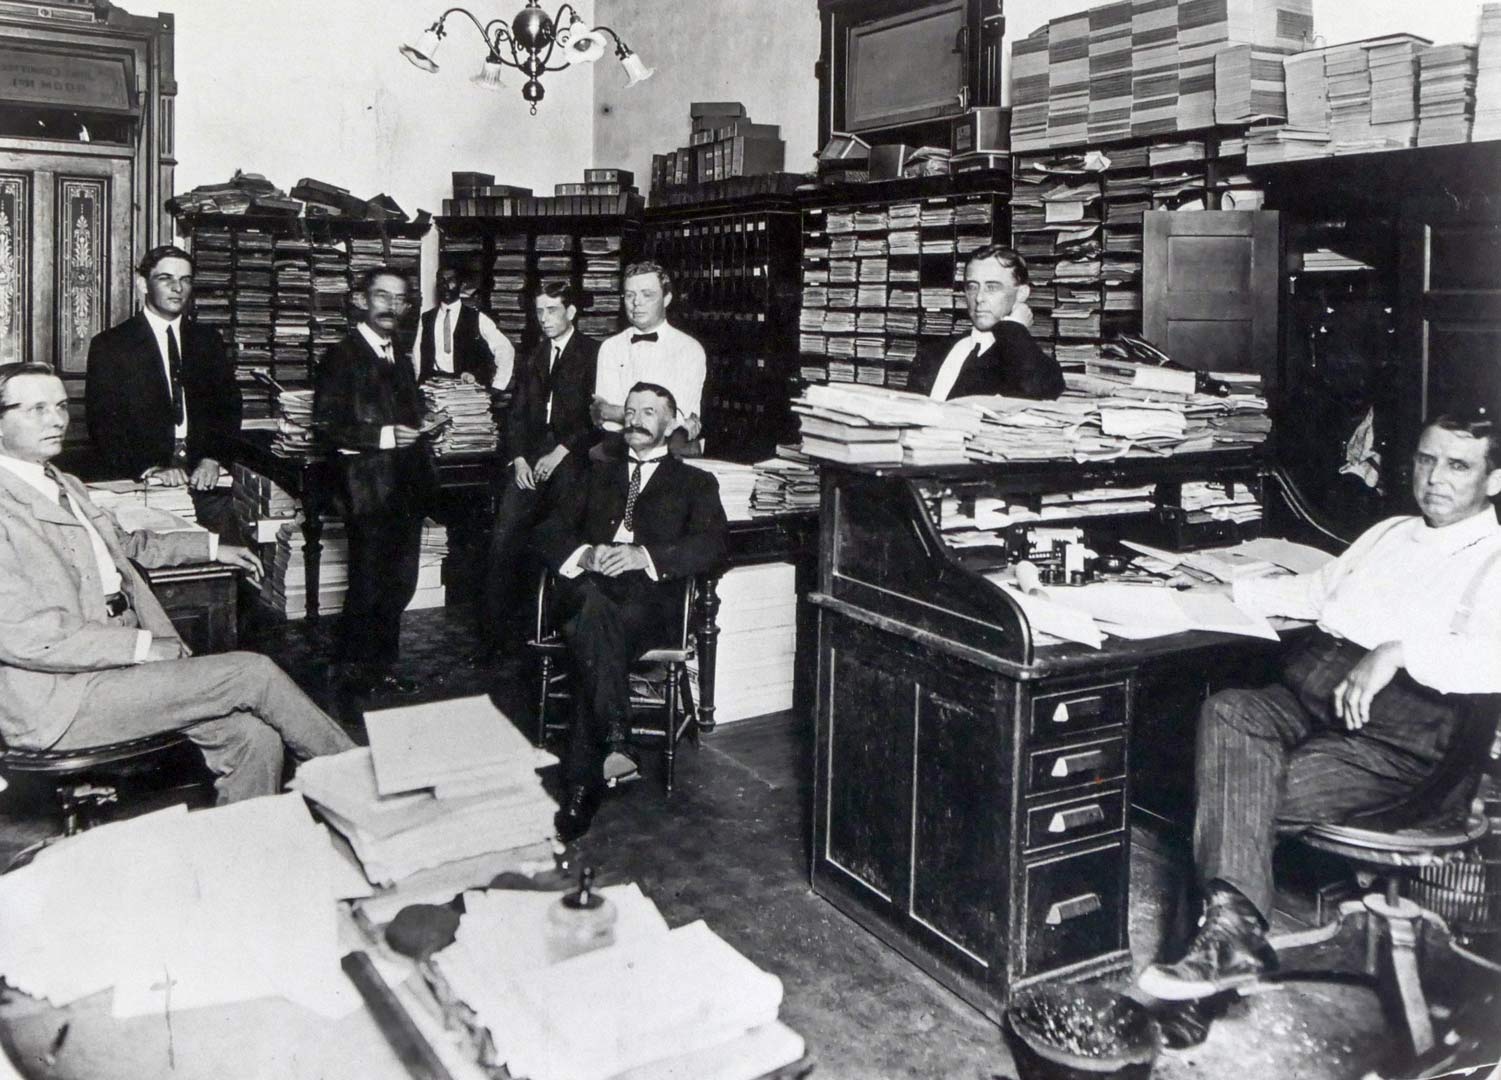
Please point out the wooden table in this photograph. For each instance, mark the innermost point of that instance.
(202, 600)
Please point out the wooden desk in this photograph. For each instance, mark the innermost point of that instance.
(202, 600)
(972, 789)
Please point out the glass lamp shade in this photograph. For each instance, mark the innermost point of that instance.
(587, 47)
(635, 69)
(488, 77)
(422, 51)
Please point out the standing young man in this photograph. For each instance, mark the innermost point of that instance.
(651, 350)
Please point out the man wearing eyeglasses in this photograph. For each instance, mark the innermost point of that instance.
(366, 404)
(998, 355)
(87, 655)
(162, 403)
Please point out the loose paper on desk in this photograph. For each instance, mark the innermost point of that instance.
(447, 742)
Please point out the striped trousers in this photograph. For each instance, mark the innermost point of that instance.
(1273, 761)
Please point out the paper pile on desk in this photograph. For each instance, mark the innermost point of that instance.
(180, 910)
(785, 484)
(671, 1003)
(737, 482)
(440, 781)
(294, 425)
(880, 426)
(472, 428)
(138, 505)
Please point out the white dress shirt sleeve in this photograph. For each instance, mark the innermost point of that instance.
(571, 567)
(501, 349)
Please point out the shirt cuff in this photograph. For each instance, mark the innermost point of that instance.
(571, 567)
(388, 437)
(143, 646)
(213, 547)
(651, 566)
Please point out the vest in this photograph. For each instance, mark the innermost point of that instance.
(470, 353)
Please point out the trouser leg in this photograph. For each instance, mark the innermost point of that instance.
(384, 556)
(507, 595)
(232, 705)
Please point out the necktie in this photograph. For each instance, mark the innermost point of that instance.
(631, 494)
(174, 365)
(62, 493)
(643, 337)
(448, 330)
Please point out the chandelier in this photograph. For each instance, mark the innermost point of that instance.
(528, 45)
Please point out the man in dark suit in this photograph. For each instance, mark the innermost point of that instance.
(621, 543)
(160, 393)
(87, 655)
(998, 355)
(548, 433)
(1408, 618)
(367, 405)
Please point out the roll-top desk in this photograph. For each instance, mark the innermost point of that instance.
(971, 787)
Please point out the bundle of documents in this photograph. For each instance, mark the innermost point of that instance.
(672, 1003)
(294, 424)
(439, 782)
(757, 622)
(176, 911)
(1249, 85)
(1446, 94)
(472, 426)
(1307, 91)
(785, 484)
(868, 424)
(284, 588)
(1488, 76)
(736, 483)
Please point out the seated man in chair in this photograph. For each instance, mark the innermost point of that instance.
(87, 655)
(1409, 615)
(621, 542)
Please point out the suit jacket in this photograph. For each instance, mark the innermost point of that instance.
(529, 432)
(129, 401)
(54, 637)
(1014, 367)
(678, 516)
(355, 394)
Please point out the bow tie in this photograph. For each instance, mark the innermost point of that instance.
(643, 337)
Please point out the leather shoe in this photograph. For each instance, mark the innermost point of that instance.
(621, 767)
(1229, 950)
(577, 812)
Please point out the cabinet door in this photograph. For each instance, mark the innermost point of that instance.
(1449, 319)
(1211, 283)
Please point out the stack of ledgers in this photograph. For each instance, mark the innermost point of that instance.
(284, 587)
(294, 425)
(757, 621)
(655, 1002)
(137, 504)
(869, 424)
(785, 484)
(472, 427)
(1446, 94)
(261, 506)
(439, 782)
(736, 483)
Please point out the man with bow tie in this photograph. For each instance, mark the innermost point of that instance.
(650, 350)
(998, 355)
(160, 395)
(622, 543)
(366, 404)
(87, 655)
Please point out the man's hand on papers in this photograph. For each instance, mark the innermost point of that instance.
(548, 463)
(1353, 695)
(612, 560)
(206, 476)
(244, 558)
(165, 476)
(526, 480)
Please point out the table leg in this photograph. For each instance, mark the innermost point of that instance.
(706, 631)
(312, 553)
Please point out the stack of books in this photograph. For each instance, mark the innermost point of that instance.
(284, 588)
(1249, 85)
(757, 622)
(1446, 94)
(1394, 88)
(1488, 76)
(261, 506)
(723, 143)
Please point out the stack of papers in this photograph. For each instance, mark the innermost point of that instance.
(786, 483)
(867, 424)
(757, 622)
(137, 504)
(294, 424)
(439, 782)
(1249, 85)
(1446, 94)
(284, 588)
(683, 1000)
(176, 911)
(736, 484)
(1488, 76)
(467, 405)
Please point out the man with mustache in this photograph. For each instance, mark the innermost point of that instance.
(366, 404)
(1409, 615)
(622, 542)
(457, 340)
(87, 655)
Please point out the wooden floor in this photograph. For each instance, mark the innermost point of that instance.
(730, 847)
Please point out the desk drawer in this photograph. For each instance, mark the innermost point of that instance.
(1075, 764)
(1073, 907)
(1082, 708)
(1064, 822)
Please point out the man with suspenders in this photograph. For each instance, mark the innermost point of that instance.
(1409, 615)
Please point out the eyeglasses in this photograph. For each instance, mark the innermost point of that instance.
(396, 300)
(38, 410)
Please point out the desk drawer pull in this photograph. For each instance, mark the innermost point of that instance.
(1071, 764)
(1072, 908)
(1066, 711)
(1076, 818)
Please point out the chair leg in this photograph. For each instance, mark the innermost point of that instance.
(1400, 985)
(671, 691)
(546, 685)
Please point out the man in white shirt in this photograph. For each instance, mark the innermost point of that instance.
(457, 340)
(87, 655)
(1410, 613)
(651, 350)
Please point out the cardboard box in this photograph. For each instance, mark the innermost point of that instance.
(984, 130)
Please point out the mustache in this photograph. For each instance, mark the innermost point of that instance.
(636, 431)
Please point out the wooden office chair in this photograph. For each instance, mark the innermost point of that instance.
(669, 699)
(1432, 827)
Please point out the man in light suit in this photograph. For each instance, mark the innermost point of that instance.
(161, 395)
(621, 543)
(998, 355)
(548, 434)
(87, 655)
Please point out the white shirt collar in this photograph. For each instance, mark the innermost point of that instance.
(660, 328)
(445, 305)
(983, 338)
(1458, 535)
(158, 324)
(31, 473)
(558, 344)
(376, 342)
(653, 458)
